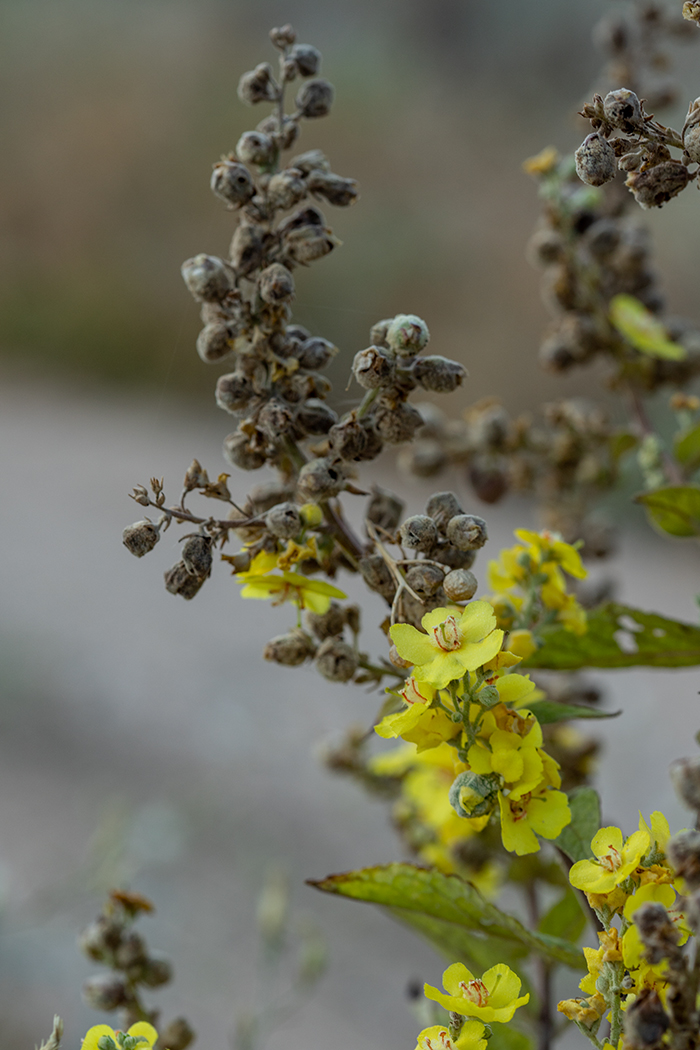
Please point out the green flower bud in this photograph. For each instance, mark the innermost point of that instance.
(407, 334)
(473, 795)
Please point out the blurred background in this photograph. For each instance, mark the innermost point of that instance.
(143, 739)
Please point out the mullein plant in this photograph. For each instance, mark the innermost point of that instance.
(487, 781)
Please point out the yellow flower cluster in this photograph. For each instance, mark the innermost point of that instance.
(141, 1036)
(304, 591)
(623, 874)
(529, 584)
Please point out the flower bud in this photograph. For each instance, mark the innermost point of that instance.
(329, 624)
(623, 110)
(282, 37)
(460, 585)
(158, 970)
(319, 480)
(347, 440)
(254, 147)
(376, 574)
(384, 510)
(315, 98)
(196, 555)
(467, 532)
(177, 1034)
(232, 182)
(206, 277)
(685, 777)
(407, 334)
(286, 189)
(234, 392)
(439, 374)
(473, 795)
(335, 189)
(315, 417)
(104, 991)
(425, 580)
(214, 343)
(276, 284)
(290, 649)
(312, 160)
(442, 507)
(683, 852)
(101, 938)
(140, 538)
(306, 58)
(596, 163)
(179, 581)
(336, 660)
(418, 533)
(258, 85)
(315, 353)
(246, 248)
(239, 452)
(396, 425)
(372, 368)
(655, 186)
(283, 520)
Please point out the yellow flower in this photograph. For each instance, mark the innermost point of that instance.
(583, 1011)
(304, 591)
(543, 811)
(139, 1035)
(543, 163)
(658, 893)
(493, 997)
(659, 832)
(609, 951)
(616, 860)
(522, 644)
(513, 757)
(454, 642)
(418, 722)
(471, 1037)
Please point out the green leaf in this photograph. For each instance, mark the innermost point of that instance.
(575, 839)
(566, 918)
(641, 329)
(687, 448)
(675, 509)
(458, 944)
(410, 892)
(619, 636)
(622, 441)
(548, 711)
(508, 1037)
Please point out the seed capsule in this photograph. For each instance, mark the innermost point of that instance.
(347, 440)
(384, 510)
(234, 392)
(286, 189)
(654, 187)
(315, 417)
(319, 480)
(396, 425)
(276, 420)
(179, 581)
(285, 137)
(336, 660)
(206, 277)
(157, 971)
(196, 555)
(425, 580)
(407, 334)
(215, 342)
(460, 585)
(442, 507)
(335, 189)
(239, 452)
(315, 353)
(306, 58)
(254, 147)
(246, 248)
(372, 368)
(283, 520)
(258, 85)
(418, 533)
(104, 992)
(315, 98)
(691, 132)
(467, 532)
(685, 777)
(140, 538)
(276, 284)
(439, 374)
(623, 110)
(177, 1034)
(291, 649)
(377, 576)
(101, 938)
(596, 163)
(312, 160)
(329, 624)
(232, 182)
(282, 37)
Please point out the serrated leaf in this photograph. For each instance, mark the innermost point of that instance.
(575, 839)
(448, 899)
(641, 329)
(565, 918)
(674, 510)
(619, 636)
(687, 448)
(548, 711)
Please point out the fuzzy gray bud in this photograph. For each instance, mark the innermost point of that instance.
(306, 58)
(439, 374)
(407, 334)
(282, 37)
(347, 440)
(312, 160)
(397, 424)
(206, 277)
(460, 585)
(232, 182)
(258, 85)
(683, 852)
(276, 284)
(239, 453)
(384, 510)
(179, 581)
(442, 507)
(254, 147)
(623, 110)
(286, 189)
(283, 521)
(418, 533)
(336, 660)
(596, 163)
(467, 532)
(196, 555)
(319, 480)
(424, 579)
(291, 649)
(315, 98)
(372, 368)
(315, 353)
(104, 991)
(337, 190)
(177, 1034)
(377, 575)
(215, 342)
(685, 777)
(655, 186)
(329, 624)
(315, 417)
(234, 392)
(246, 248)
(140, 538)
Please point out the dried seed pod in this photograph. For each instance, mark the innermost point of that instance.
(263, 497)
(623, 110)
(315, 417)
(306, 58)
(179, 581)
(335, 189)
(131, 953)
(424, 458)
(306, 244)
(453, 557)
(276, 284)
(286, 189)
(546, 246)
(336, 660)
(377, 333)
(319, 480)
(101, 938)
(596, 163)
(276, 420)
(439, 373)
(654, 187)
(232, 182)
(284, 138)
(104, 991)
(239, 452)
(312, 160)
(283, 520)
(373, 368)
(177, 1034)
(315, 353)
(418, 533)
(246, 252)
(467, 532)
(254, 147)
(234, 392)
(460, 585)
(215, 342)
(691, 132)
(376, 574)
(297, 331)
(645, 1021)
(282, 37)
(373, 442)
(407, 334)
(683, 852)
(140, 538)
(206, 277)
(315, 98)
(291, 649)
(602, 238)
(424, 579)
(685, 777)
(196, 555)
(397, 424)
(489, 479)
(442, 507)
(347, 440)
(157, 971)
(384, 510)
(329, 624)
(258, 85)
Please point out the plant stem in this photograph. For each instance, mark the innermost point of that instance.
(543, 974)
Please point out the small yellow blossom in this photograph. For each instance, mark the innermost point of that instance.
(543, 811)
(543, 163)
(609, 952)
(455, 641)
(141, 1035)
(471, 1037)
(511, 756)
(418, 722)
(493, 997)
(616, 859)
(583, 1011)
(522, 643)
(303, 591)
